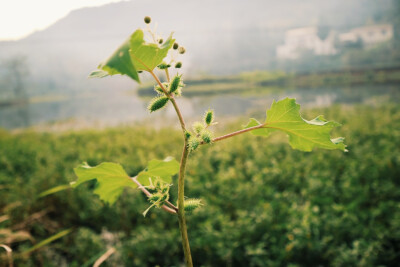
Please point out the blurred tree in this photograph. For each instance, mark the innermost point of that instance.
(15, 71)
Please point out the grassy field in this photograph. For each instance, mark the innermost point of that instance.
(265, 204)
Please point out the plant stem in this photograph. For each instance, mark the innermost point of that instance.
(181, 208)
(235, 133)
(181, 179)
(167, 74)
(147, 193)
(178, 112)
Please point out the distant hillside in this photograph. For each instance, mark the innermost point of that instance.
(222, 36)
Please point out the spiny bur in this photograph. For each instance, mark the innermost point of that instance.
(206, 136)
(209, 117)
(193, 143)
(159, 90)
(175, 84)
(198, 127)
(191, 204)
(157, 103)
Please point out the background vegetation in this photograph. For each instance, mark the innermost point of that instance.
(266, 204)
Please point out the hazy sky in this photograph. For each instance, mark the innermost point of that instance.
(19, 18)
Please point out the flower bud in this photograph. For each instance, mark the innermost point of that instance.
(163, 66)
(181, 50)
(175, 46)
(147, 19)
(178, 65)
(160, 41)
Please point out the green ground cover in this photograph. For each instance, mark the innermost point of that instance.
(265, 204)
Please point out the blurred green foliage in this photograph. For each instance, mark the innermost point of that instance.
(265, 204)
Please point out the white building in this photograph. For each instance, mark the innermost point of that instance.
(305, 39)
(369, 35)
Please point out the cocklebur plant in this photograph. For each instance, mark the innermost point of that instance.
(146, 51)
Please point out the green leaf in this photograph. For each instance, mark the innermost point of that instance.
(111, 179)
(164, 169)
(118, 63)
(304, 135)
(147, 56)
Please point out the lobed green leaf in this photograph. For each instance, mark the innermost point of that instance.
(147, 56)
(111, 179)
(164, 169)
(304, 135)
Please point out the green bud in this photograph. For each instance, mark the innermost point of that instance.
(155, 197)
(160, 41)
(163, 66)
(198, 127)
(147, 19)
(193, 143)
(181, 50)
(178, 65)
(175, 84)
(157, 103)
(191, 204)
(206, 136)
(209, 117)
(140, 71)
(175, 46)
(188, 134)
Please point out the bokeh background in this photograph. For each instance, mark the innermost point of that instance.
(265, 204)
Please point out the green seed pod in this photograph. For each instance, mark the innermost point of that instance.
(198, 127)
(193, 143)
(206, 136)
(147, 19)
(191, 204)
(140, 71)
(178, 65)
(175, 84)
(160, 41)
(209, 117)
(181, 50)
(175, 46)
(157, 103)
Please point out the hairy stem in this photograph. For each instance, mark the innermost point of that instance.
(178, 112)
(147, 193)
(181, 180)
(181, 208)
(235, 133)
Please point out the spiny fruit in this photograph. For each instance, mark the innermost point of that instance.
(157, 103)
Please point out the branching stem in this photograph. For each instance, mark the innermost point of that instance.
(235, 133)
(181, 179)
